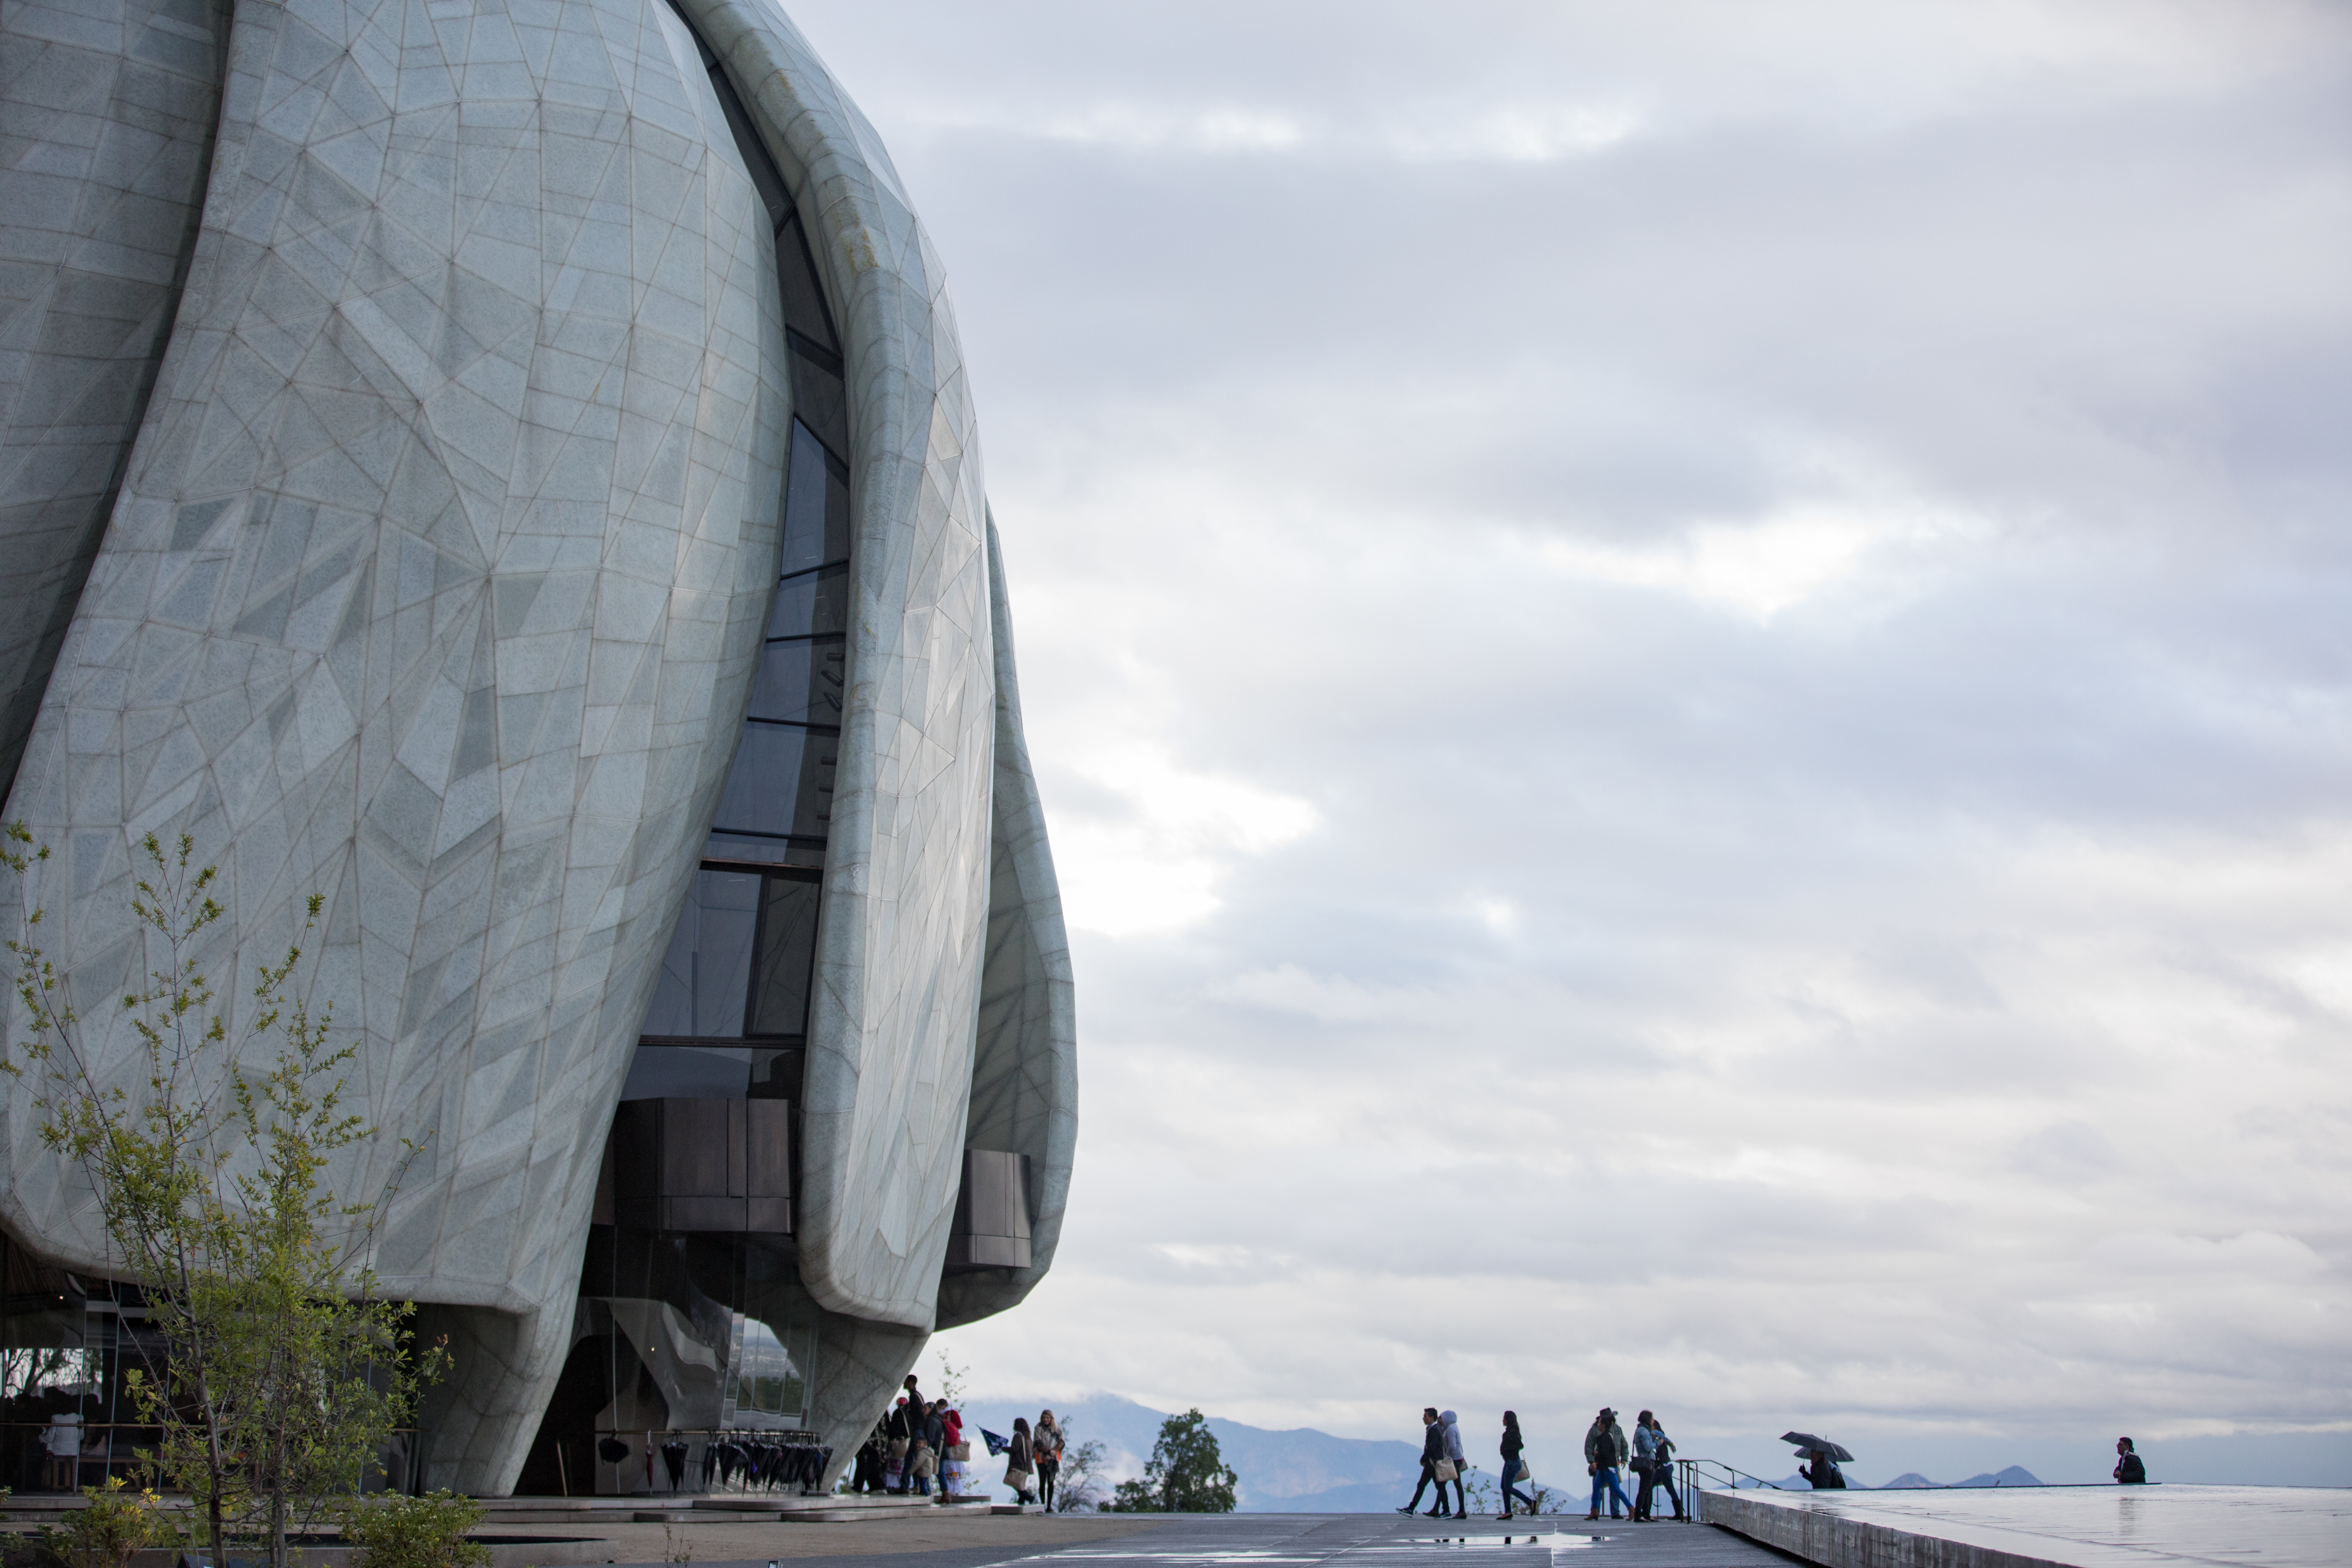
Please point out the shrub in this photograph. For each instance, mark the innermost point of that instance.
(426, 1532)
(117, 1523)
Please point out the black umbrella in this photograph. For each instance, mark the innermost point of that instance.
(1814, 1444)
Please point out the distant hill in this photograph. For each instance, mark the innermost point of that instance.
(2015, 1476)
(1300, 1470)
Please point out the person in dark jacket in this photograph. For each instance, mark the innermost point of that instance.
(1823, 1473)
(1021, 1459)
(1662, 1458)
(1514, 1466)
(2129, 1471)
(899, 1429)
(1432, 1449)
(1605, 1450)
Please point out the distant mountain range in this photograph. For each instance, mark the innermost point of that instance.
(1910, 1481)
(1297, 1471)
(1302, 1470)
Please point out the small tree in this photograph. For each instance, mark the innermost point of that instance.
(281, 1375)
(1079, 1490)
(1185, 1474)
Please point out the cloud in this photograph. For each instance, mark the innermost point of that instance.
(1688, 670)
(1153, 859)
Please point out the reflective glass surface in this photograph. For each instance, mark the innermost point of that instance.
(787, 954)
(800, 682)
(763, 785)
(661, 1070)
(816, 506)
(812, 603)
(705, 975)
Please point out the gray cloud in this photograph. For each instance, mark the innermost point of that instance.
(1692, 683)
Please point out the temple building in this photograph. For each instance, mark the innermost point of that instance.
(509, 468)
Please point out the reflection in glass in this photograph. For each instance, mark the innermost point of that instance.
(814, 602)
(761, 783)
(707, 973)
(787, 952)
(816, 506)
(688, 1072)
(799, 683)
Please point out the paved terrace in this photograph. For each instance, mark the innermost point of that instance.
(960, 1538)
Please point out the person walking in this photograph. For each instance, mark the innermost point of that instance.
(1432, 1449)
(1049, 1456)
(1021, 1461)
(1662, 1462)
(1605, 1450)
(1514, 1466)
(2130, 1471)
(1456, 1457)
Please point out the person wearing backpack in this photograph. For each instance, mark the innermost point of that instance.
(2129, 1471)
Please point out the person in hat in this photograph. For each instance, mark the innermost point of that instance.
(1605, 1452)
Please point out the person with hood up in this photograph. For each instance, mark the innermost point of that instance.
(1432, 1451)
(1605, 1450)
(1458, 1459)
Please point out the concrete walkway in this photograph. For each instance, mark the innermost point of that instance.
(1192, 1541)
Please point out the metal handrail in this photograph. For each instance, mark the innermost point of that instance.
(1694, 1481)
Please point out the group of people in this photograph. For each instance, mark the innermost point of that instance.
(1607, 1453)
(917, 1441)
(1032, 1458)
(920, 1440)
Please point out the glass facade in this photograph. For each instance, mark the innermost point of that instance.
(693, 1339)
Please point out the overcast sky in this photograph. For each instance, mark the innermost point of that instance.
(1692, 673)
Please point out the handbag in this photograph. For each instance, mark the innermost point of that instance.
(959, 1451)
(1443, 1470)
(1017, 1480)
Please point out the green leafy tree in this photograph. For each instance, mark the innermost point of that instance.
(1185, 1474)
(281, 1375)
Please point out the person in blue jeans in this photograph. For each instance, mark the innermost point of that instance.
(1514, 1466)
(1605, 1450)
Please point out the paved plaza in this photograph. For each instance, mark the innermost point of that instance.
(1201, 1540)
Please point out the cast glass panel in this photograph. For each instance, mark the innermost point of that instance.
(812, 604)
(705, 975)
(787, 954)
(800, 683)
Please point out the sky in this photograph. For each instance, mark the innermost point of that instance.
(1691, 670)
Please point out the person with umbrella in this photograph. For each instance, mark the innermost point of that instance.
(1823, 1471)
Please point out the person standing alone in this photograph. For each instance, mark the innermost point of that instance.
(1514, 1466)
(1605, 1450)
(1048, 1440)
